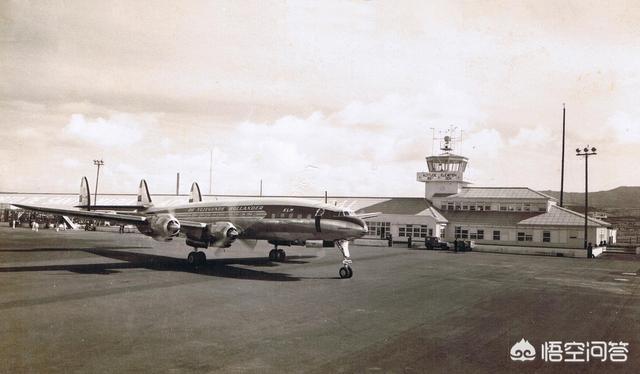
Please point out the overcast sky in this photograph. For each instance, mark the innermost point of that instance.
(316, 95)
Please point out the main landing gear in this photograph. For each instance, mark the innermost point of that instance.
(277, 255)
(196, 258)
(345, 271)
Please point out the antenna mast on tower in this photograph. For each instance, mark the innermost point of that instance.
(448, 141)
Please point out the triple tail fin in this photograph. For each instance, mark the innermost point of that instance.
(195, 196)
(144, 199)
(84, 200)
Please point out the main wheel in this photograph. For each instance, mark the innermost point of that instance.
(345, 272)
(273, 255)
(192, 258)
(282, 255)
(202, 258)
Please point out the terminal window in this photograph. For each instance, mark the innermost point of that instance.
(461, 234)
(496, 235)
(378, 229)
(415, 231)
(525, 237)
(478, 234)
(546, 236)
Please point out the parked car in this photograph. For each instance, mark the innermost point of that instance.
(433, 242)
(89, 227)
(465, 245)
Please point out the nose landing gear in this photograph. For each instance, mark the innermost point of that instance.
(345, 271)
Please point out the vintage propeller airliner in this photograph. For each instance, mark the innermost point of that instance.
(218, 224)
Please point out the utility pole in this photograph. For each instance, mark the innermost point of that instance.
(586, 152)
(210, 169)
(178, 184)
(562, 167)
(98, 163)
(260, 187)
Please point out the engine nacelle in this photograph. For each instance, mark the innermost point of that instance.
(222, 234)
(163, 227)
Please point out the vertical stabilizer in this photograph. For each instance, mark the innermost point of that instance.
(144, 198)
(195, 196)
(85, 195)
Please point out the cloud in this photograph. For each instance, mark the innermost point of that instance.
(626, 129)
(71, 163)
(531, 137)
(27, 132)
(119, 130)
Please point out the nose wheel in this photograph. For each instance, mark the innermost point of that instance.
(196, 258)
(346, 272)
(277, 255)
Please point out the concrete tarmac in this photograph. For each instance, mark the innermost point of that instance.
(103, 302)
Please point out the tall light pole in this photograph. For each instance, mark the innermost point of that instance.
(98, 163)
(586, 152)
(562, 165)
(210, 169)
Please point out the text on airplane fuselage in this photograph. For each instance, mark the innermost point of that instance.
(226, 208)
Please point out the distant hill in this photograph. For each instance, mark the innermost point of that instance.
(625, 197)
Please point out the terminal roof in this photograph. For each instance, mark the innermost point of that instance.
(406, 205)
(558, 216)
(524, 193)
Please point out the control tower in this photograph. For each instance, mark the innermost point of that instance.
(446, 171)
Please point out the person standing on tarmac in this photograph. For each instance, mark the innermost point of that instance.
(455, 245)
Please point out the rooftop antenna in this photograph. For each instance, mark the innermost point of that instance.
(433, 141)
(448, 141)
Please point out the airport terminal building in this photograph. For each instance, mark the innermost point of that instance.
(496, 216)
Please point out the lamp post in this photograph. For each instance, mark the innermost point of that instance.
(586, 152)
(98, 163)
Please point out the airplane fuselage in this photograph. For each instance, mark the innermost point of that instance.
(274, 219)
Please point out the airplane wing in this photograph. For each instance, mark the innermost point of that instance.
(193, 225)
(124, 218)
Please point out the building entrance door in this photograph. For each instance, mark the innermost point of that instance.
(382, 232)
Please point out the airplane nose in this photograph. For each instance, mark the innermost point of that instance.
(363, 227)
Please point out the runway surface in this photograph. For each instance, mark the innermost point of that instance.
(101, 302)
